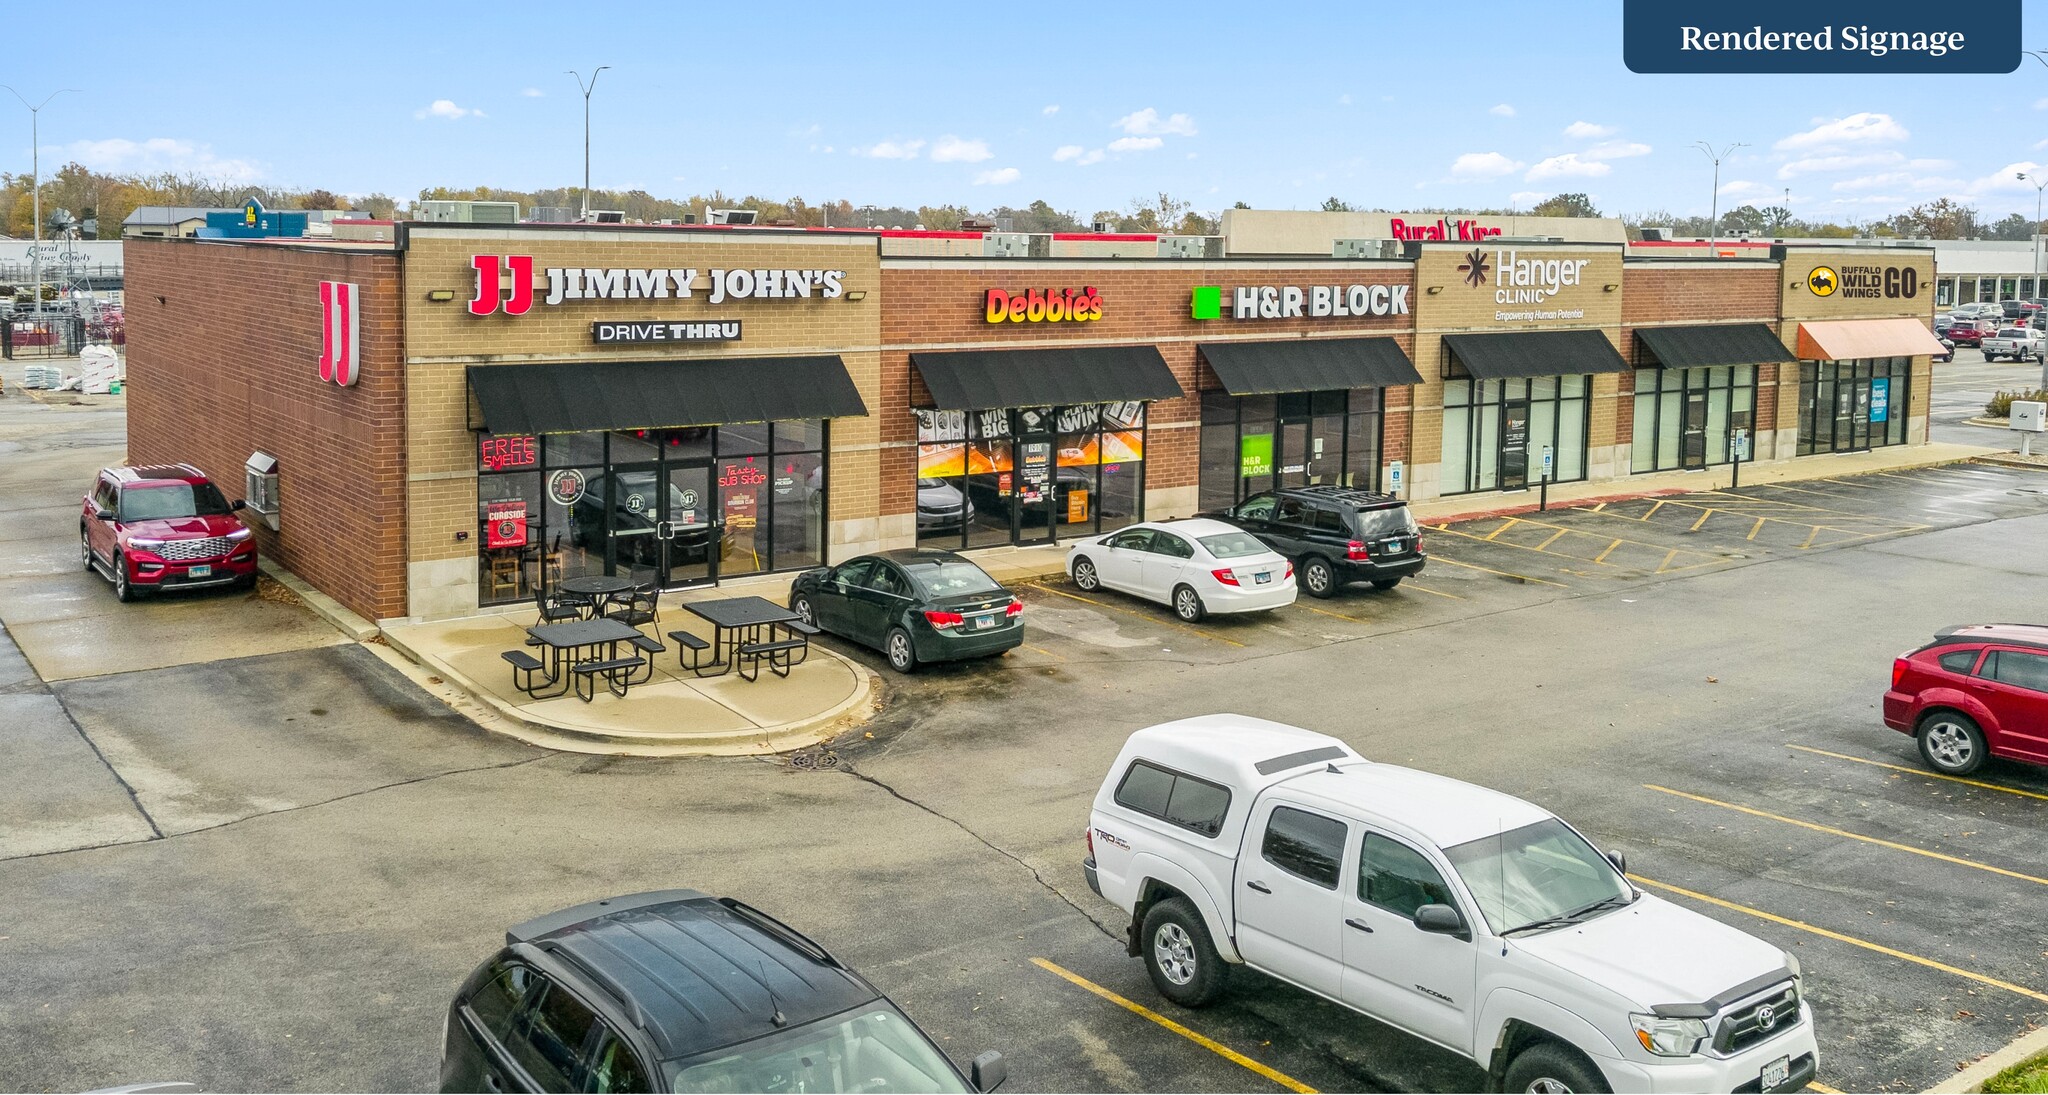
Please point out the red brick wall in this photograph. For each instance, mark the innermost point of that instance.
(223, 360)
(943, 307)
(1703, 293)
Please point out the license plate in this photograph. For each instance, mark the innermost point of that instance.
(1262, 577)
(199, 572)
(1776, 1072)
(981, 622)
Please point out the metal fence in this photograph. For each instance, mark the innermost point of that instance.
(41, 336)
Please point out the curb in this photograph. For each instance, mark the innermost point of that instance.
(323, 606)
(726, 743)
(1997, 1061)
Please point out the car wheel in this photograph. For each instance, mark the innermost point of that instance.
(123, 591)
(1951, 743)
(801, 605)
(1186, 604)
(1385, 583)
(246, 582)
(901, 653)
(1085, 578)
(1318, 577)
(84, 548)
(1552, 1069)
(1180, 956)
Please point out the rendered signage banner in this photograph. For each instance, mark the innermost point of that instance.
(1810, 36)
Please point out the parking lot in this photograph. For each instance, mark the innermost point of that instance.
(291, 857)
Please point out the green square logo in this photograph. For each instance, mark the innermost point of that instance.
(1208, 302)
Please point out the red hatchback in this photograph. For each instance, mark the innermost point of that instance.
(163, 527)
(1974, 692)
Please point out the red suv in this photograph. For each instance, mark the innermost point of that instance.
(163, 527)
(1975, 691)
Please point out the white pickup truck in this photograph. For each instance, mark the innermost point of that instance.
(2013, 343)
(1461, 915)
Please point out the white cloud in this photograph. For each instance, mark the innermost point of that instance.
(1860, 128)
(1899, 180)
(2007, 178)
(1735, 188)
(890, 150)
(1066, 152)
(1839, 162)
(1147, 122)
(951, 149)
(446, 108)
(1093, 155)
(1502, 110)
(1523, 198)
(533, 93)
(118, 155)
(998, 177)
(1051, 109)
(1616, 150)
(1568, 165)
(1344, 99)
(1135, 144)
(1483, 165)
(1587, 131)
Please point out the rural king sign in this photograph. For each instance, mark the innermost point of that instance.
(1442, 228)
(506, 283)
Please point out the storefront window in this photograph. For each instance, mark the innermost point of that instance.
(996, 477)
(1495, 431)
(1683, 417)
(1846, 406)
(1254, 443)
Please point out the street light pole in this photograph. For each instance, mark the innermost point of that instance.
(1714, 217)
(2040, 183)
(35, 139)
(586, 89)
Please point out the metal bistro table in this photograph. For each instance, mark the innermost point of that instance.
(565, 640)
(598, 588)
(734, 621)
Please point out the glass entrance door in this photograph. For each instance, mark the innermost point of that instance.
(1693, 441)
(1036, 492)
(1514, 446)
(689, 529)
(632, 501)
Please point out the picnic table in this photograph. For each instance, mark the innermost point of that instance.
(599, 589)
(736, 621)
(565, 643)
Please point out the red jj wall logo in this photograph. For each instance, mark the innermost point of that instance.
(490, 288)
(340, 348)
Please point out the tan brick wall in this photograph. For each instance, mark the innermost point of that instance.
(1798, 302)
(223, 360)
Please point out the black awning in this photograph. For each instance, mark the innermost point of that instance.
(979, 380)
(643, 395)
(1714, 344)
(1309, 365)
(1535, 353)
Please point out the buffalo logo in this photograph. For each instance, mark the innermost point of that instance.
(490, 287)
(1474, 268)
(1822, 281)
(340, 348)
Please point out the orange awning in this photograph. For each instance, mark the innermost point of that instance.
(1847, 339)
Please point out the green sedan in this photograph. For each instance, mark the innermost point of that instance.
(915, 605)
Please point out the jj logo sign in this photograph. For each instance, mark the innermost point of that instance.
(340, 348)
(490, 291)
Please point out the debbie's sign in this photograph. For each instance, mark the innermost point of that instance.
(506, 282)
(641, 332)
(1043, 306)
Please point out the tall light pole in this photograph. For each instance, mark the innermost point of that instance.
(2040, 183)
(1714, 217)
(586, 89)
(35, 139)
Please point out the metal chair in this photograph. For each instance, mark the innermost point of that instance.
(639, 609)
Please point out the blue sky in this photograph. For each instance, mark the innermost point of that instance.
(1086, 106)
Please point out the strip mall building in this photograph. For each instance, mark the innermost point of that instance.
(458, 415)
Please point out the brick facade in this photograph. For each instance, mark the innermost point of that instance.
(223, 358)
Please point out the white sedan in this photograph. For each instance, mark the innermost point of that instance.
(1197, 566)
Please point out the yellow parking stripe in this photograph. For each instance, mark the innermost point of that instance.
(1142, 615)
(1504, 526)
(1922, 772)
(1502, 573)
(1849, 939)
(1327, 612)
(1438, 592)
(1831, 831)
(1823, 1088)
(1554, 538)
(1602, 557)
(1210, 1044)
(1704, 514)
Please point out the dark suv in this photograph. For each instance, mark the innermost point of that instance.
(679, 991)
(1335, 535)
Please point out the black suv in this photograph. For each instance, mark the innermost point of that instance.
(679, 991)
(1335, 535)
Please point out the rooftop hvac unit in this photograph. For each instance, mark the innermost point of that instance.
(1015, 245)
(1104, 227)
(1656, 235)
(1191, 247)
(1366, 249)
(730, 216)
(605, 216)
(466, 212)
(550, 214)
(1742, 234)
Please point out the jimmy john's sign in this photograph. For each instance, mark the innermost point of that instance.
(506, 283)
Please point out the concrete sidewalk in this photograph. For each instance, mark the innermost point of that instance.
(676, 713)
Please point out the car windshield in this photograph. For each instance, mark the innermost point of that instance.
(1232, 545)
(172, 500)
(873, 1050)
(928, 483)
(1375, 523)
(1536, 873)
(2011, 332)
(954, 580)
